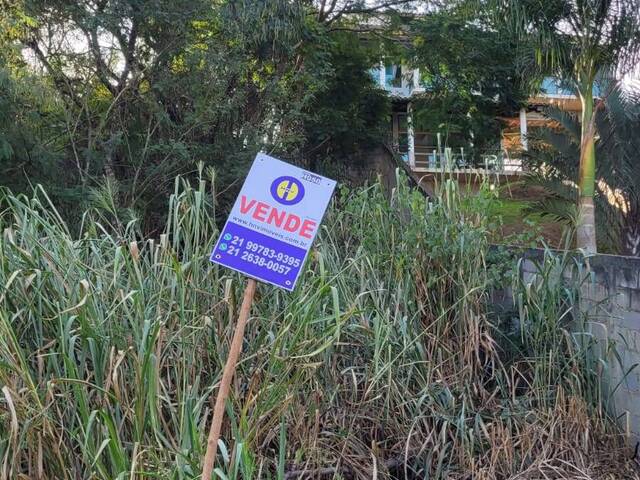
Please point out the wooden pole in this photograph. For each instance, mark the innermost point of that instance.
(225, 383)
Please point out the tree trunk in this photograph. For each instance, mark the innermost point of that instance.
(586, 228)
(631, 230)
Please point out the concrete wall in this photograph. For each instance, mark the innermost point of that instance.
(367, 165)
(378, 162)
(610, 298)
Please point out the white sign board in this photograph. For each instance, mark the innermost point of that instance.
(273, 222)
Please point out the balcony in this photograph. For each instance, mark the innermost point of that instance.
(399, 80)
(431, 160)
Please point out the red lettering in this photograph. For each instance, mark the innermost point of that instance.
(244, 208)
(307, 228)
(276, 217)
(264, 212)
(260, 211)
(293, 222)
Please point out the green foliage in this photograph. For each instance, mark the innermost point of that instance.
(384, 359)
(471, 74)
(30, 122)
(554, 161)
(575, 40)
(578, 41)
(139, 91)
(351, 112)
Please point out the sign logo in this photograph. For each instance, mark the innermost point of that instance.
(287, 190)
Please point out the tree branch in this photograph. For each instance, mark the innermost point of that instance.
(102, 70)
(351, 8)
(59, 79)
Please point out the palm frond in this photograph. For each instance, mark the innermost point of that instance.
(568, 121)
(556, 209)
(554, 167)
(559, 196)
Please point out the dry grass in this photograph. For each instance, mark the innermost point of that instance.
(386, 361)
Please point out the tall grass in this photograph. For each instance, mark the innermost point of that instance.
(384, 362)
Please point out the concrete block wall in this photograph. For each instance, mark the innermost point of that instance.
(610, 299)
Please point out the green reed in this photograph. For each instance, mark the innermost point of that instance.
(384, 361)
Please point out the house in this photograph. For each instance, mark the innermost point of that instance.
(424, 152)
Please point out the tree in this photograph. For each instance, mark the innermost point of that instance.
(554, 159)
(148, 89)
(334, 11)
(470, 72)
(577, 41)
(143, 90)
(350, 112)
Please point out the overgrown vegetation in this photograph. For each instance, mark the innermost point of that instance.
(391, 359)
(132, 93)
(385, 362)
(471, 70)
(554, 162)
(579, 42)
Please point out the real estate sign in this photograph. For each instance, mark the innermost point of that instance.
(273, 222)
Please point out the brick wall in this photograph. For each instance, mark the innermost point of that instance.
(610, 298)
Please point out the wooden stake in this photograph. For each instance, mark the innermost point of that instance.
(227, 376)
